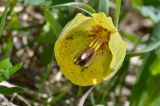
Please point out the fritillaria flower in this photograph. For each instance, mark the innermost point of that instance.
(90, 50)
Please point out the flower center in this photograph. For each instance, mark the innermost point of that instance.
(86, 56)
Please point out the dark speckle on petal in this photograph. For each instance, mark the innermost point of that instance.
(69, 38)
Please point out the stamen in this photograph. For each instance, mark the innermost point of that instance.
(99, 44)
(92, 43)
(86, 56)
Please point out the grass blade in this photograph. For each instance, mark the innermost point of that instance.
(7, 70)
(103, 6)
(55, 26)
(10, 90)
(15, 68)
(117, 12)
(4, 17)
(92, 99)
(8, 10)
(150, 47)
(86, 8)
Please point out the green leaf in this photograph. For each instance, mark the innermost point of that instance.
(84, 7)
(6, 69)
(146, 89)
(137, 3)
(92, 99)
(155, 67)
(156, 102)
(149, 8)
(130, 37)
(10, 90)
(55, 26)
(4, 17)
(150, 94)
(155, 32)
(8, 9)
(141, 82)
(152, 12)
(38, 2)
(153, 93)
(47, 55)
(5, 66)
(110, 85)
(150, 47)
(56, 97)
(55, 2)
(103, 6)
(117, 12)
(46, 38)
(151, 2)
(6, 51)
(153, 45)
(15, 68)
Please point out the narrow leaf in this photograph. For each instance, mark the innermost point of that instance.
(15, 68)
(152, 46)
(4, 17)
(130, 37)
(82, 6)
(55, 26)
(5, 66)
(117, 12)
(10, 90)
(6, 69)
(155, 68)
(38, 2)
(8, 9)
(103, 6)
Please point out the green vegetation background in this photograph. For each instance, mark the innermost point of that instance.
(29, 29)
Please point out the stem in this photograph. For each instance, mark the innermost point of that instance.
(117, 12)
(80, 91)
(93, 102)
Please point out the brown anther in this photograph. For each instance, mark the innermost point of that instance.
(85, 57)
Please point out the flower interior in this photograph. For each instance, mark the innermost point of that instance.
(85, 57)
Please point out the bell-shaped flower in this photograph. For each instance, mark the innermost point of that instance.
(90, 50)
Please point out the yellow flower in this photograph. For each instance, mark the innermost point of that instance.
(90, 50)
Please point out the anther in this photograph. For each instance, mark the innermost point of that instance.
(86, 56)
